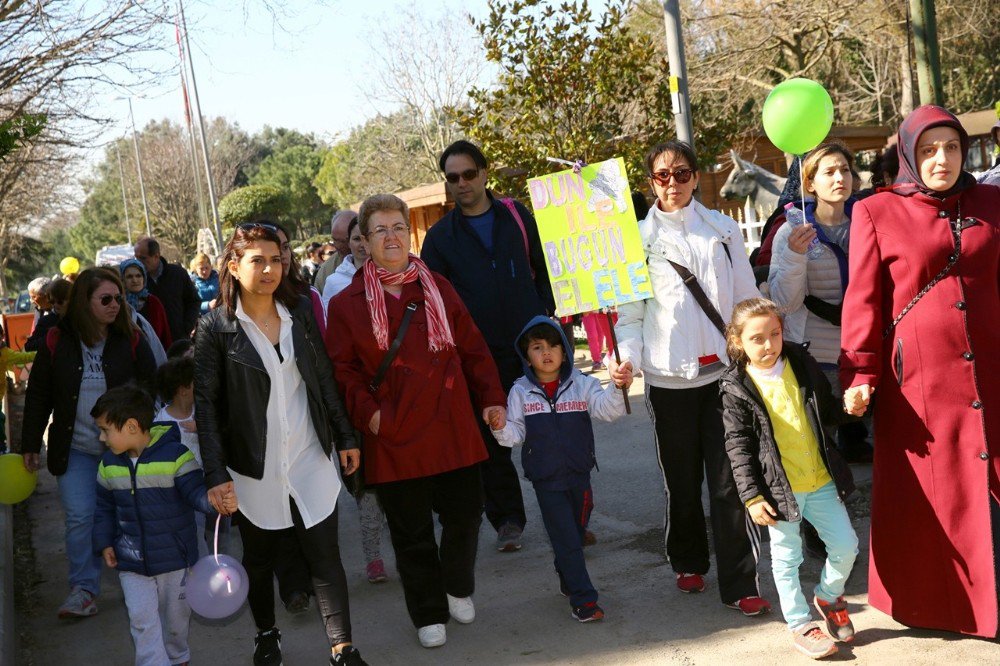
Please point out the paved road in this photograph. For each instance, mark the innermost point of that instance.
(521, 617)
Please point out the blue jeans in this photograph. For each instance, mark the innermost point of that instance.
(78, 494)
(827, 513)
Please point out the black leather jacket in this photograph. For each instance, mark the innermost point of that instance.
(231, 390)
(750, 441)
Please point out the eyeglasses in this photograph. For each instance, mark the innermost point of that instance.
(680, 175)
(467, 175)
(247, 226)
(396, 229)
(107, 298)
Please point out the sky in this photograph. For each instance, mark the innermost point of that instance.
(306, 74)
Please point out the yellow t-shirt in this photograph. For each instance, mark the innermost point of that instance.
(797, 444)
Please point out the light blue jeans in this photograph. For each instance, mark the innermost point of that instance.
(78, 494)
(827, 513)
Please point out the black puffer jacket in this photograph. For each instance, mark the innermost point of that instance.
(750, 441)
(231, 390)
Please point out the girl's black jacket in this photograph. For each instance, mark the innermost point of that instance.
(750, 441)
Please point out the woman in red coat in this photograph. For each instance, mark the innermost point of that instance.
(935, 371)
(422, 447)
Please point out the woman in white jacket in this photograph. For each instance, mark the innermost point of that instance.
(340, 278)
(677, 343)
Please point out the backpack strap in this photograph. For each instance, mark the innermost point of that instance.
(509, 203)
(691, 282)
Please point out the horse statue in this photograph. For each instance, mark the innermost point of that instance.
(749, 180)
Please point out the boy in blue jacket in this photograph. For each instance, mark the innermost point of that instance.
(549, 411)
(148, 487)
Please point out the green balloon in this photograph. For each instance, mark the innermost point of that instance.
(798, 115)
(16, 482)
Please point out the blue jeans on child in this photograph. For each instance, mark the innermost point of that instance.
(78, 494)
(827, 513)
(565, 514)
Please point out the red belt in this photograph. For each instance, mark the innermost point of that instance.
(708, 360)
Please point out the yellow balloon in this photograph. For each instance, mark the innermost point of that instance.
(69, 266)
(16, 482)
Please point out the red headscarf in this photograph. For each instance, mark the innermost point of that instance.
(923, 118)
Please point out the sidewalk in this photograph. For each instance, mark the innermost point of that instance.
(521, 619)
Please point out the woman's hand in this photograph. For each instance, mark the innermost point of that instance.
(109, 557)
(31, 461)
(375, 421)
(762, 513)
(350, 459)
(621, 375)
(496, 417)
(801, 236)
(857, 398)
(223, 498)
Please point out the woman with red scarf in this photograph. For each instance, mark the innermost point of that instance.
(422, 446)
(920, 323)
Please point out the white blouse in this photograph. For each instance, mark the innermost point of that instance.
(295, 465)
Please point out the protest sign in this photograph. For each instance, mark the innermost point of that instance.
(588, 230)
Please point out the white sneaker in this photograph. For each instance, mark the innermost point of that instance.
(461, 609)
(432, 635)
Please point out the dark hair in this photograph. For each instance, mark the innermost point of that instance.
(463, 147)
(546, 332)
(59, 290)
(640, 204)
(681, 148)
(174, 374)
(885, 167)
(744, 310)
(243, 236)
(152, 246)
(180, 348)
(294, 275)
(78, 311)
(125, 402)
(350, 227)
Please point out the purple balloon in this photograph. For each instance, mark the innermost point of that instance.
(217, 586)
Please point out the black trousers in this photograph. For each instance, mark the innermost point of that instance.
(427, 571)
(322, 552)
(290, 568)
(501, 485)
(690, 443)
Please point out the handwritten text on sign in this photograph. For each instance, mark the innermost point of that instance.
(588, 229)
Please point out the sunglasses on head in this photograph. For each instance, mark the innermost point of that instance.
(663, 177)
(107, 298)
(247, 226)
(467, 175)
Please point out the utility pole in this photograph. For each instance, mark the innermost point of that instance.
(925, 47)
(138, 163)
(678, 72)
(121, 174)
(192, 140)
(201, 126)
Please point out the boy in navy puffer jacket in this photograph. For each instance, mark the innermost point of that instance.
(549, 411)
(148, 487)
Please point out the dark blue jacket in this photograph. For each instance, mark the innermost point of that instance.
(146, 511)
(497, 288)
(557, 432)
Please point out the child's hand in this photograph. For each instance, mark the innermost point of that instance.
(625, 371)
(762, 513)
(188, 426)
(109, 557)
(496, 417)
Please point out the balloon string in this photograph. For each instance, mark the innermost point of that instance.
(802, 189)
(218, 519)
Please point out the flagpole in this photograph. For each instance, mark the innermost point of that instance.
(138, 164)
(192, 141)
(121, 174)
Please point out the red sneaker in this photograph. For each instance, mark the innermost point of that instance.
(690, 583)
(838, 623)
(751, 606)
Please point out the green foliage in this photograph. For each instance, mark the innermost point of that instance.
(272, 140)
(292, 170)
(252, 202)
(15, 131)
(102, 215)
(570, 85)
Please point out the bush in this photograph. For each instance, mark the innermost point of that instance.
(254, 202)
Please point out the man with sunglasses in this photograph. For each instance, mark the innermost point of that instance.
(172, 285)
(488, 248)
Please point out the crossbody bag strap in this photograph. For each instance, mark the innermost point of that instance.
(691, 282)
(390, 354)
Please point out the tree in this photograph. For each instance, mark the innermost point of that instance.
(570, 85)
(292, 170)
(251, 203)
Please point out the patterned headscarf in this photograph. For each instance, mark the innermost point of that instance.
(136, 300)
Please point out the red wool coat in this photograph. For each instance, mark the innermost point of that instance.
(428, 421)
(936, 403)
(156, 315)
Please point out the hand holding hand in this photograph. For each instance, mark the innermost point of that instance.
(621, 375)
(223, 498)
(350, 459)
(109, 557)
(801, 236)
(496, 417)
(31, 461)
(762, 513)
(857, 399)
(375, 421)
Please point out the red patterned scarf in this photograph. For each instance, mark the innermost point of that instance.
(438, 332)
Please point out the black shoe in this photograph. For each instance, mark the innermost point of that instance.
(298, 603)
(267, 648)
(350, 656)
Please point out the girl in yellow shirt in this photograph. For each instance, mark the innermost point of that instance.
(777, 404)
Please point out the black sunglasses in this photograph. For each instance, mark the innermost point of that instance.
(467, 175)
(107, 298)
(247, 226)
(680, 175)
